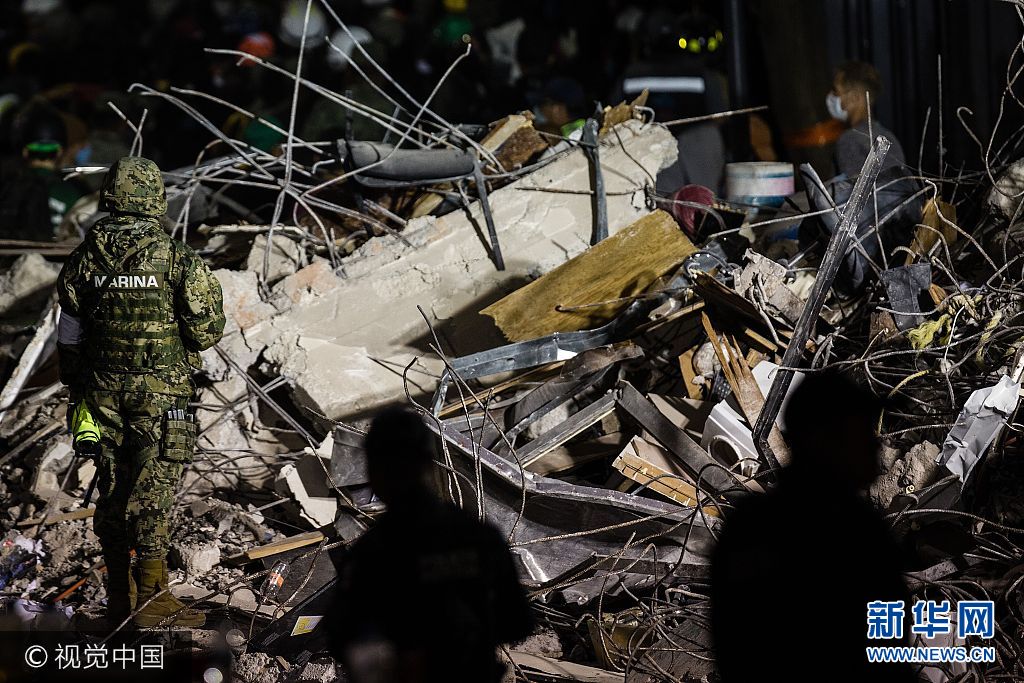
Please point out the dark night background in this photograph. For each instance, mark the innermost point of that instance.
(77, 55)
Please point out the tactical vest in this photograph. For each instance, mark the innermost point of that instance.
(129, 308)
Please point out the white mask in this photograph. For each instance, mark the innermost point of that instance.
(538, 116)
(835, 107)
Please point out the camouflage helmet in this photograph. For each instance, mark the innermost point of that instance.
(134, 185)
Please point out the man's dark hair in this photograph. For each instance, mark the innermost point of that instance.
(823, 400)
(863, 75)
(399, 434)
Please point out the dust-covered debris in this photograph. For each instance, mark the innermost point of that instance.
(26, 284)
(256, 667)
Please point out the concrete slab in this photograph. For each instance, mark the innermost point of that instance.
(345, 351)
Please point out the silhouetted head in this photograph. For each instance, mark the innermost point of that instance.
(399, 455)
(830, 426)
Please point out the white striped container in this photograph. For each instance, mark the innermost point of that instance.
(761, 183)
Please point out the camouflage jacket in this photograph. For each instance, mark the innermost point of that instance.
(136, 308)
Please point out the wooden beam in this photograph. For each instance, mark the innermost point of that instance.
(63, 517)
(284, 545)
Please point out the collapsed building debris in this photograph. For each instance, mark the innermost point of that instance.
(605, 377)
(345, 356)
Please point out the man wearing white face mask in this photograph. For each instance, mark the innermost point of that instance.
(852, 85)
(856, 87)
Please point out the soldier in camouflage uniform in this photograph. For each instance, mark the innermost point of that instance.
(136, 308)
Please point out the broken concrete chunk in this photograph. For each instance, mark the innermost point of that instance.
(319, 672)
(243, 306)
(1006, 195)
(284, 259)
(306, 483)
(889, 456)
(314, 280)
(544, 642)
(196, 558)
(256, 667)
(345, 351)
(25, 285)
(914, 471)
(51, 466)
(765, 279)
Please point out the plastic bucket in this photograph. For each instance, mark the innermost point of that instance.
(761, 183)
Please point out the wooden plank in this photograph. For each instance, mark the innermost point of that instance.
(588, 290)
(284, 545)
(650, 466)
(744, 387)
(568, 671)
(63, 517)
(694, 391)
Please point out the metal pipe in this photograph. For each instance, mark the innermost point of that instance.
(735, 31)
(834, 255)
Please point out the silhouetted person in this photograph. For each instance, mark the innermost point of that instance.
(795, 568)
(35, 198)
(428, 593)
(677, 71)
(856, 89)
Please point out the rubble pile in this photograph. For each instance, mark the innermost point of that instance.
(606, 379)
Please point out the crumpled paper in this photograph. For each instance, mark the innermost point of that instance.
(979, 422)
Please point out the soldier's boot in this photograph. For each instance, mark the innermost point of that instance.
(153, 579)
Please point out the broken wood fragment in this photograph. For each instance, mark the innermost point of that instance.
(63, 517)
(651, 466)
(275, 548)
(937, 221)
(622, 266)
(744, 386)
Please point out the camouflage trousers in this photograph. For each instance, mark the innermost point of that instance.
(138, 470)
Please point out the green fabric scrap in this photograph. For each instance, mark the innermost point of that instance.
(922, 336)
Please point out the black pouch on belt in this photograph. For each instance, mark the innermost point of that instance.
(179, 440)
